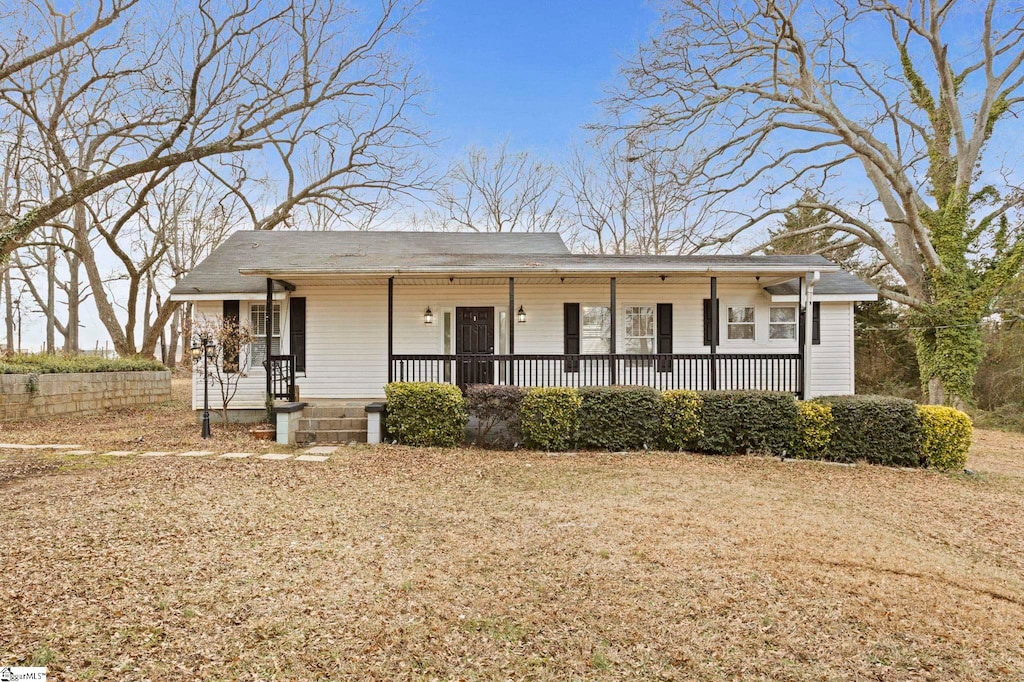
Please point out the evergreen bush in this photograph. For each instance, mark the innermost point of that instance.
(814, 429)
(946, 435)
(425, 414)
(619, 417)
(680, 419)
(879, 429)
(550, 418)
(737, 422)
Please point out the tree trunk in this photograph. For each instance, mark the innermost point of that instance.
(171, 359)
(72, 340)
(51, 298)
(8, 308)
(186, 334)
(123, 345)
(948, 335)
(163, 315)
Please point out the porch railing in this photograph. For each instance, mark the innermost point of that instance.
(699, 372)
(282, 377)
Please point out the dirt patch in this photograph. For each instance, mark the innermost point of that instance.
(15, 466)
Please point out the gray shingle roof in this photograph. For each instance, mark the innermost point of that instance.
(294, 253)
(831, 283)
(218, 272)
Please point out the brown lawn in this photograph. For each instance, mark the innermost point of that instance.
(397, 563)
(172, 426)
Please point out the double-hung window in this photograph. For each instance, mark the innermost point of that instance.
(639, 331)
(258, 324)
(782, 322)
(740, 323)
(596, 330)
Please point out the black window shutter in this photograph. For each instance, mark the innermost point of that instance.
(665, 336)
(230, 315)
(297, 332)
(816, 323)
(572, 336)
(708, 322)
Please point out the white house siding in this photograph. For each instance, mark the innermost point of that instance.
(346, 328)
(832, 359)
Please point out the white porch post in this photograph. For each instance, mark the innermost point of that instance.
(806, 339)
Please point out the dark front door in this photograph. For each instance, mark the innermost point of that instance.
(474, 345)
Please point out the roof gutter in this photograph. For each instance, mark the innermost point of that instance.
(279, 273)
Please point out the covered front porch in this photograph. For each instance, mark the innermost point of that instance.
(663, 331)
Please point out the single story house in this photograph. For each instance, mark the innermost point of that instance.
(345, 313)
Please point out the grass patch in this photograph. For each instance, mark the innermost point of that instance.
(46, 363)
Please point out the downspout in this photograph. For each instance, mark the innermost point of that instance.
(808, 340)
(269, 321)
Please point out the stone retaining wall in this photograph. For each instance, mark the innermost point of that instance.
(26, 396)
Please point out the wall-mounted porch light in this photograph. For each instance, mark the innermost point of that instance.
(428, 316)
(521, 315)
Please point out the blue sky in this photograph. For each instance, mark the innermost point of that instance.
(530, 70)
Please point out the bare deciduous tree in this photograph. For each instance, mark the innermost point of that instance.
(231, 358)
(777, 96)
(293, 108)
(500, 190)
(630, 198)
(311, 80)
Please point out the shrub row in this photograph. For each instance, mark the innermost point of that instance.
(425, 414)
(881, 430)
(59, 363)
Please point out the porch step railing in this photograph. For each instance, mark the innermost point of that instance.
(699, 372)
(282, 377)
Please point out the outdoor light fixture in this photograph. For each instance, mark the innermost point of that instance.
(203, 347)
(428, 316)
(521, 315)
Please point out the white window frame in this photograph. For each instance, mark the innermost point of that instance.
(260, 322)
(729, 324)
(583, 328)
(794, 324)
(627, 329)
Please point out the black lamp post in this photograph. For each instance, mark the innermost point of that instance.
(203, 347)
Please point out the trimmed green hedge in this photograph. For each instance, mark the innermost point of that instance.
(946, 436)
(814, 429)
(680, 419)
(736, 422)
(425, 414)
(46, 363)
(879, 429)
(550, 418)
(619, 417)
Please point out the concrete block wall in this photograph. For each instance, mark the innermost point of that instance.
(28, 396)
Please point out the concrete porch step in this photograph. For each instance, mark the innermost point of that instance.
(333, 436)
(314, 412)
(332, 423)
